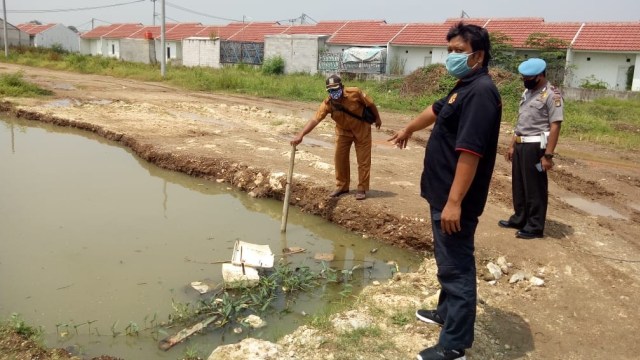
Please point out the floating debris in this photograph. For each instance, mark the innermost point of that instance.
(324, 256)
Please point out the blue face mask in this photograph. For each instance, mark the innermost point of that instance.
(457, 64)
(335, 94)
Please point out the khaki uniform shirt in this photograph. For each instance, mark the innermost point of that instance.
(354, 100)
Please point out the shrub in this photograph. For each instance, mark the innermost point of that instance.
(592, 83)
(58, 49)
(15, 85)
(273, 66)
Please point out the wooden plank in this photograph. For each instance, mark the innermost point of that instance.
(168, 342)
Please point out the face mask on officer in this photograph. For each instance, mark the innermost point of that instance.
(335, 94)
(456, 64)
(531, 83)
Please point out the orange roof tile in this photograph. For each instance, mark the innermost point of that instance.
(113, 31)
(182, 30)
(517, 29)
(33, 29)
(367, 33)
(422, 34)
(210, 31)
(475, 21)
(563, 31)
(609, 37)
(255, 31)
(619, 36)
(321, 28)
(142, 32)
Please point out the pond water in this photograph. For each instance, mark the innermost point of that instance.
(91, 233)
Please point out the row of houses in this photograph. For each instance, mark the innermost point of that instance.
(39, 35)
(607, 52)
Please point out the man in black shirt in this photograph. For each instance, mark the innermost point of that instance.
(458, 166)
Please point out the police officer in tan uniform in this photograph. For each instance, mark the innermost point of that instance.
(344, 104)
(532, 150)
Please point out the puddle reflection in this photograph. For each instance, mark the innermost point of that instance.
(593, 208)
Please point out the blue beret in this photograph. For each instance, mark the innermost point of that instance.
(532, 67)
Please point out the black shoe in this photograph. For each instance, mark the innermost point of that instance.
(521, 234)
(430, 317)
(438, 353)
(508, 225)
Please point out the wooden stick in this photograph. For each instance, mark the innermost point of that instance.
(287, 192)
(188, 259)
(168, 342)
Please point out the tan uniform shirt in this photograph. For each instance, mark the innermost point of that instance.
(354, 100)
(538, 109)
(350, 130)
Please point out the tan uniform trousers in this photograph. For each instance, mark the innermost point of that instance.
(350, 131)
(359, 135)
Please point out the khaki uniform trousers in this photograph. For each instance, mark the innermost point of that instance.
(359, 135)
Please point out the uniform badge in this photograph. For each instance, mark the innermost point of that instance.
(557, 96)
(557, 101)
(544, 94)
(453, 98)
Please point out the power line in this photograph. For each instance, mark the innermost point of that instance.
(302, 19)
(305, 16)
(72, 9)
(294, 20)
(197, 12)
(91, 22)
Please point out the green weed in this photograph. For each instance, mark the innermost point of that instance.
(15, 85)
(17, 324)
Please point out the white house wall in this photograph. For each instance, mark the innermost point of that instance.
(439, 55)
(337, 49)
(15, 36)
(300, 52)
(137, 50)
(58, 35)
(635, 85)
(91, 46)
(171, 51)
(605, 67)
(87, 47)
(176, 53)
(201, 52)
(111, 48)
(413, 57)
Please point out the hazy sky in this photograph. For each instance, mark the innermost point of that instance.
(212, 12)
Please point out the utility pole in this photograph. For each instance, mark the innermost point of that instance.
(4, 30)
(154, 13)
(163, 44)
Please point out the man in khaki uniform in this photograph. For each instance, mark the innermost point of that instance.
(346, 104)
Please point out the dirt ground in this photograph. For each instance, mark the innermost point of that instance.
(587, 308)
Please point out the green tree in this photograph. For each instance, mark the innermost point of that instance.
(553, 51)
(502, 53)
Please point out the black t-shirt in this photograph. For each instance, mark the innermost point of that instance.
(468, 119)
